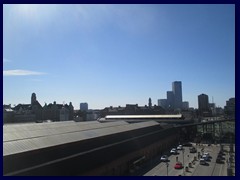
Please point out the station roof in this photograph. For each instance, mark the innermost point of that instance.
(27, 137)
(172, 116)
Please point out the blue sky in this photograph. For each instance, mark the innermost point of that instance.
(117, 54)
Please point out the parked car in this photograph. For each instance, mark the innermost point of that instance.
(202, 161)
(219, 160)
(164, 158)
(221, 153)
(207, 154)
(205, 157)
(220, 157)
(192, 150)
(179, 147)
(178, 165)
(173, 151)
(187, 144)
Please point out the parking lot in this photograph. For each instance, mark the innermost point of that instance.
(211, 168)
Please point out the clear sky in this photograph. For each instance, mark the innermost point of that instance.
(111, 55)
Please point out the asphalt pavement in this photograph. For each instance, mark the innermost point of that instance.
(194, 169)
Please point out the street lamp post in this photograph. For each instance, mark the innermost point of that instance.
(167, 167)
(183, 162)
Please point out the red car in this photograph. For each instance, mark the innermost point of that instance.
(178, 165)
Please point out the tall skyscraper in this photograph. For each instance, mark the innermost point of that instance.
(203, 103)
(150, 102)
(177, 92)
(170, 100)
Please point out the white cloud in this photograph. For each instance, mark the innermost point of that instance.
(19, 72)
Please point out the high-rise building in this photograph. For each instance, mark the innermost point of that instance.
(212, 108)
(170, 100)
(84, 106)
(230, 107)
(185, 105)
(203, 103)
(149, 102)
(163, 103)
(177, 92)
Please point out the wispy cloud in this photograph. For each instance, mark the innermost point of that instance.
(19, 72)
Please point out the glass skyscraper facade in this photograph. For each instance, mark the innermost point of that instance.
(177, 92)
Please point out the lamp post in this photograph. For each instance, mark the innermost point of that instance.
(167, 167)
(183, 162)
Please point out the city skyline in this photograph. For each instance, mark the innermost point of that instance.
(113, 55)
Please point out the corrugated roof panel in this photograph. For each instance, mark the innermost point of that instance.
(12, 147)
(142, 116)
(29, 132)
(38, 126)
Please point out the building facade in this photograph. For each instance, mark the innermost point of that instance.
(58, 112)
(163, 103)
(149, 102)
(177, 91)
(185, 105)
(84, 106)
(203, 104)
(230, 107)
(170, 99)
(34, 112)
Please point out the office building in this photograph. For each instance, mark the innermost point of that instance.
(177, 92)
(170, 100)
(84, 106)
(212, 108)
(149, 102)
(185, 105)
(163, 103)
(230, 107)
(203, 104)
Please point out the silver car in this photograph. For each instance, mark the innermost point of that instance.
(173, 151)
(164, 158)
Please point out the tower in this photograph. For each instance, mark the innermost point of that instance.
(177, 92)
(149, 103)
(170, 100)
(203, 103)
(33, 98)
